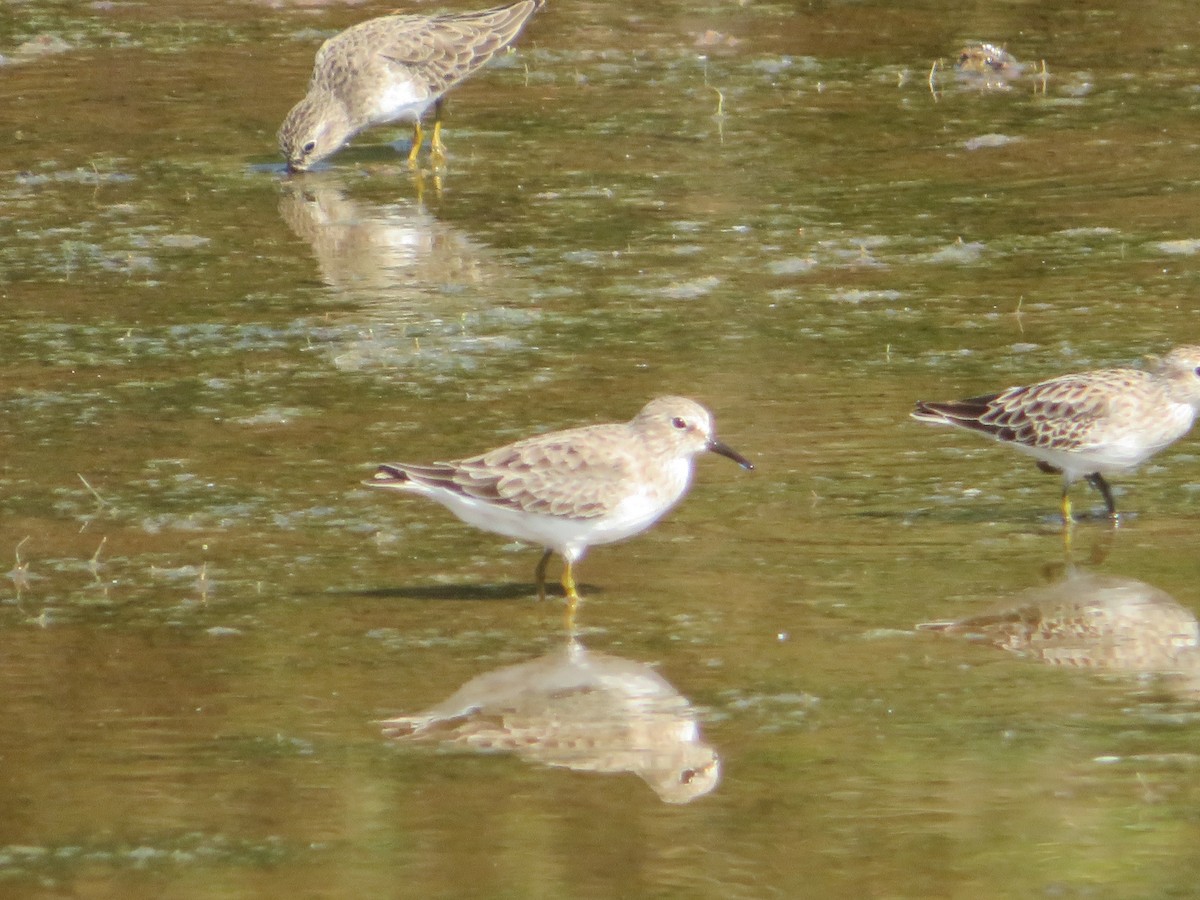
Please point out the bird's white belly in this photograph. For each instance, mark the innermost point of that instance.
(402, 99)
(1120, 447)
(567, 536)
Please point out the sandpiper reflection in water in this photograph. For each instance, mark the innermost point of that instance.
(366, 249)
(577, 709)
(1094, 621)
(424, 295)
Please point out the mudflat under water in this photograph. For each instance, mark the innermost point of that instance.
(783, 210)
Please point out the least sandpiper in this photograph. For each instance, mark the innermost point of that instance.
(393, 69)
(1090, 424)
(987, 65)
(567, 490)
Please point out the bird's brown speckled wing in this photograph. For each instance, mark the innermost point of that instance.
(446, 49)
(582, 473)
(1059, 414)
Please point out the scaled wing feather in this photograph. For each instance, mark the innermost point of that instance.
(453, 47)
(552, 478)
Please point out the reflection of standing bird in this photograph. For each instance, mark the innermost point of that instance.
(1086, 425)
(567, 490)
(580, 710)
(393, 69)
(1090, 621)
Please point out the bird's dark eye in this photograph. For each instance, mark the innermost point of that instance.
(1198, 370)
(679, 422)
(687, 776)
(309, 147)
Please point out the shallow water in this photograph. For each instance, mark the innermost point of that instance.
(206, 616)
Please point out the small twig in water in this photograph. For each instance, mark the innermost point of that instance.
(202, 583)
(20, 571)
(92, 490)
(94, 563)
(720, 113)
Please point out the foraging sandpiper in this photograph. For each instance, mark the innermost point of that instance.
(391, 69)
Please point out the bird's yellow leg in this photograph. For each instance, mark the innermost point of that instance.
(1068, 519)
(436, 148)
(417, 137)
(568, 583)
(540, 573)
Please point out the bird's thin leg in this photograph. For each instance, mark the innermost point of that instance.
(540, 573)
(568, 583)
(1097, 481)
(1068, 519)
(417, 137)
(437, 149)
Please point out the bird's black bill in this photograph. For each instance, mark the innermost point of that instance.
(730, 453)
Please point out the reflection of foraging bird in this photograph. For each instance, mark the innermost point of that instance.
(1086, 425)
(393, 69)
(567, 490)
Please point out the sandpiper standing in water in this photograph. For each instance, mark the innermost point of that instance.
(567, 490)
(392, 69)
(1086, 425)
